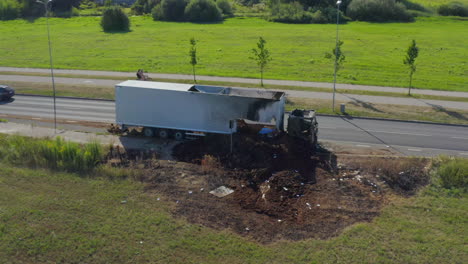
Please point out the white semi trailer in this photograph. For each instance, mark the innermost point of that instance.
(170, 109)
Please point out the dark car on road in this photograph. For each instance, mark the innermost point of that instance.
(6, 92)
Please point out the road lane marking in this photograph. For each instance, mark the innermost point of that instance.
(460, 137)
(412, 149)
(364, 146)
(399, 133)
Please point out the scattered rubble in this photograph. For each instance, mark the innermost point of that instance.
(278, 189)
(221, 191)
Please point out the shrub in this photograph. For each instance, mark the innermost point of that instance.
(453, 173)
(378, 11)
(202, 11)
(141, 7)
(290, 13)
(318, 17)
(225, 6)
(328, 15)
(66, 14)
(29, 8)
(169, 10)
(453, 9)
(412, 6)
(115, 19)
(9, 9)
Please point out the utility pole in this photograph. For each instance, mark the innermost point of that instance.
(46, 3)
(336, 51)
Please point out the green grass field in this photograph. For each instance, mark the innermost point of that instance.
(436, 3)
(62, 218)
(374, 52)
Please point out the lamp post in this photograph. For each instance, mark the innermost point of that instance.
(46, 3)
(336, 50)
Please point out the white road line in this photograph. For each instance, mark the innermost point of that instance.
(412, 149)
(460, 137)
(36, 118)
(364, 146)
(74, 107)
(399, 133)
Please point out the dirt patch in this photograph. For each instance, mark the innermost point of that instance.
(281, 189)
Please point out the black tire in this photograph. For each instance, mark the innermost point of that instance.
(163, 133)
(179, 135)
(148, 132)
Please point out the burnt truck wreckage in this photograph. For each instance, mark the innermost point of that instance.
(180, 110)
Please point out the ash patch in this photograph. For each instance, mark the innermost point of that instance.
(282, 189)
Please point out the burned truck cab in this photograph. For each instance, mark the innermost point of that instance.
(303, 124)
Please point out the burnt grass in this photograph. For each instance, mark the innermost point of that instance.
(283, 189)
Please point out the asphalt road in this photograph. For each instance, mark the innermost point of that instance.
(340, 97)
(405, 137)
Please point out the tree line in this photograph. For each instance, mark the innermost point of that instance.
(261, 56)
(285, 11)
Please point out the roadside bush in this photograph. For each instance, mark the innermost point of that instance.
(169, 10)
(453, 9)
(202, 11)
(9, 9)
(378, 11)
(115, 19)
(52, 154)
(453, 173)
(141, 7)
(289, 13)
(225, 6)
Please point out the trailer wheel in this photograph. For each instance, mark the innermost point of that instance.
(163, 133)
(179, 135)
(148, 132)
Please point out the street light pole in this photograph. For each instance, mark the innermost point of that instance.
(46, 3)
(336, 51)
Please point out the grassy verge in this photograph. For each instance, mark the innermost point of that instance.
(55, 217)
(223, 49)
(77, 90)
(401, 112)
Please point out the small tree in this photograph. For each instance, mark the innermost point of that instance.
(337, 55)
(261, 56)
(193, 56)
(410, 58)
(339, 58)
